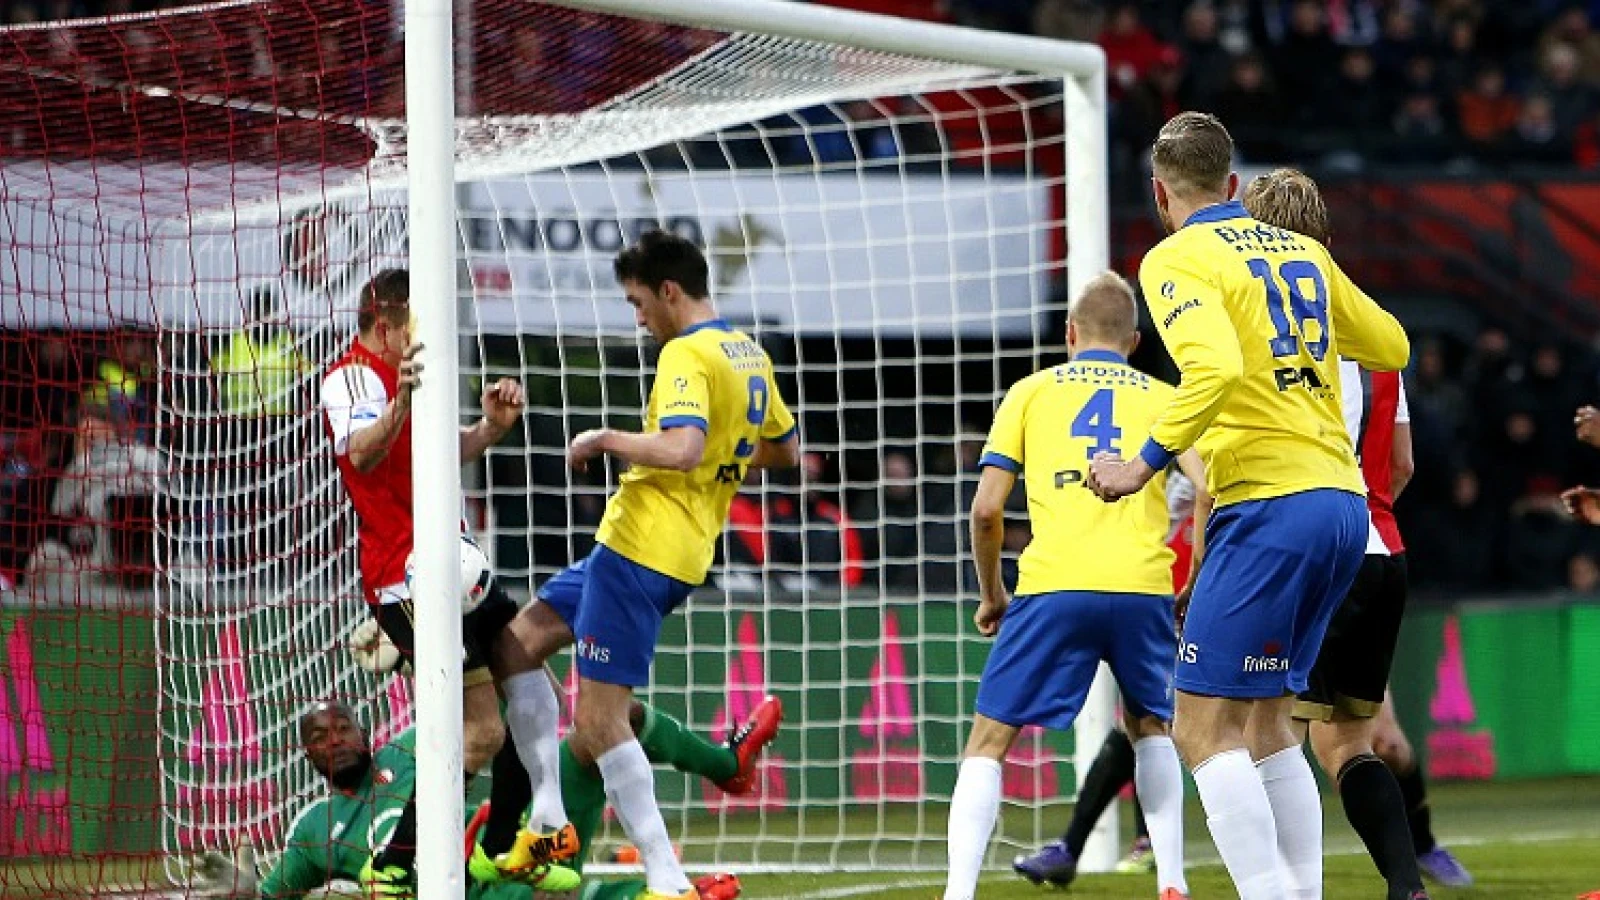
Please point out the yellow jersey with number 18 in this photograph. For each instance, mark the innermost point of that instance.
(1256, 317)
(1048, 428)
(720, 381)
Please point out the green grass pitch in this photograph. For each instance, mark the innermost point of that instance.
(1535, 839)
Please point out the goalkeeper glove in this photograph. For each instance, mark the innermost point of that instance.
(372, 648)
(218, 874)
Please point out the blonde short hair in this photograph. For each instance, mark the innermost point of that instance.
(1288, 198)
(1106, 311)
(1193, 154)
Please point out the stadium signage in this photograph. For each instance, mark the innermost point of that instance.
(832, 253)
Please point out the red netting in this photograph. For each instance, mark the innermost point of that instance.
(298, 80)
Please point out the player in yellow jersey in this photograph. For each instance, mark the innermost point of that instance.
(1256, 319)
(714, 414)
(1094, 584)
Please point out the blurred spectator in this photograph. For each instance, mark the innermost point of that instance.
(102, 511)
(1453, 546)
(1305, 61)
(1236, 26)
(807, 529)
(1355, 23)
(1400, 42)
(1149, 104)
(909, 546)
(1436, 396)
(1251, 107)
(1421, 130)
(1205, 62)
(1572, 28)
(1537, 137)
(1069, 20)
(262, 384)
(1459, 60)
(1355, 102)
(1571, 101)
(1132, 49)
(1485, 111)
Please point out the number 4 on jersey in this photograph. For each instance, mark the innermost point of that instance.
(1095, 422)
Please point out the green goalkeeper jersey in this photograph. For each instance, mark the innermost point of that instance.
(333, 838)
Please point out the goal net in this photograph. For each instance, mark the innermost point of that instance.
(192, 200)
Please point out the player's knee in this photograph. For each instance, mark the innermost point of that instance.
(1392, 747)
(481, 739)
(1139, 727)
(1336, 743)
(1195, 743)
(989, 739)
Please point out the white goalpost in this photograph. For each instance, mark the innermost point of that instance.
(897, 211)
(752, 23)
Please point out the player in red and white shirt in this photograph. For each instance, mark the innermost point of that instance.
(366, 403)
(1346, 691)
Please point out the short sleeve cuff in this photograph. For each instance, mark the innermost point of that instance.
(684, 422)
(793, 430)
(1156, 456)
(1000, 461)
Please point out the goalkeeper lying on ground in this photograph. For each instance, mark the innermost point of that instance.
(332, 838)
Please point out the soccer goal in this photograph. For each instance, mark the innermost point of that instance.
(897, 211)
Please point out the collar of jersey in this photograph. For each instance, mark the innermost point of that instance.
(372, 360)
(718, 324)
(1218, 212)
(1110, 356)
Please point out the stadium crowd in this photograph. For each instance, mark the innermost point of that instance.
(1492, 420)
(1464, 83)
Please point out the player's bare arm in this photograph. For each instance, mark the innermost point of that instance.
(988, 535)
(503, 403)
(784, 454)
(1365, 331)
(678, 449)
(369, 446)
(1402, 464)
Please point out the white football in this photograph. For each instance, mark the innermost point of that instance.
(476, 576)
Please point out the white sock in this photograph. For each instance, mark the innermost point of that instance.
(1297, 815)
(534, 716)
(631, 788)
(973, 809)
(1158, 777)
(1240, 819)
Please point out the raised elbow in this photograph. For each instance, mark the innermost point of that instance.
(364, 462)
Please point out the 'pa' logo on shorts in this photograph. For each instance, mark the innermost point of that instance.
(588, 649)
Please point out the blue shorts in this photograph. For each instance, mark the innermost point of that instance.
(614, 607)
(1274, 572)
(1044, 660)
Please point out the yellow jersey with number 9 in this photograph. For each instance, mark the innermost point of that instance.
(720, 381)
(1048, 428)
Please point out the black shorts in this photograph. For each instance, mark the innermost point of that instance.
(479, 629)
(1352, 668)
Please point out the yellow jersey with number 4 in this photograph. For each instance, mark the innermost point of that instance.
(1256, 317)
(1048, 428)
(718, 380)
